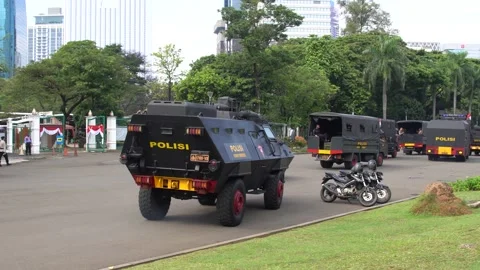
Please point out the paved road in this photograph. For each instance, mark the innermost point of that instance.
(82, 213)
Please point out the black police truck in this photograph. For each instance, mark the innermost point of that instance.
(344, 138)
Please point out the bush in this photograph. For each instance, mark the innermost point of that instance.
(298, 142)
(468, 184)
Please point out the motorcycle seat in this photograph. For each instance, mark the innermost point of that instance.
(344, 173)
(337, 177)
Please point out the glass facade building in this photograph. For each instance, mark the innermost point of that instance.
(13, 36)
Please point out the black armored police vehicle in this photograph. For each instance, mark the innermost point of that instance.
(389, 133)
(475, 147)
(213, 153)
(343, 138)
(449, 136)
(411, 136)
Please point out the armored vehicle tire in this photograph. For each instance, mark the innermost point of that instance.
(273, 196)
(408, 152)
(207, 200)
(380, 159)
(394, 154)
(154, 205)
(461, 158)
(477, 153)
(231, 203)
(349, 164)
(326, 164)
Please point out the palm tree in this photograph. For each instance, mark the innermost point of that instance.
(387, 59)
(456, 67)
(472, 81)
(438, 82)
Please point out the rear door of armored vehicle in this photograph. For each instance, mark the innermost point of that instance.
(411, 141)
(448, 138)
(475, 147)
(351, 138)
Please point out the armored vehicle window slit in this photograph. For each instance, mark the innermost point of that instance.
(241, 131)
(362, 128)
(229, 130)
(349, 127)
(215, 130)
(253, 134)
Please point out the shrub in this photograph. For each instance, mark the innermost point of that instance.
(467, 184)
(298, 142)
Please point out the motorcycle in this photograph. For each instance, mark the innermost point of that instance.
(348, 185)
(374, 180)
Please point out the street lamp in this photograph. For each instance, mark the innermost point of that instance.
(209, 94)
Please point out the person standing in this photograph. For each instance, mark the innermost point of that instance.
(28, 145)
(3, 151)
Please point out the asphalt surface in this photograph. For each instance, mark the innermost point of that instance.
(82, 212)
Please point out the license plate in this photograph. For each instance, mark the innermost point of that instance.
(184, 184)
(444, 150)
(199, 158)
(409, 144)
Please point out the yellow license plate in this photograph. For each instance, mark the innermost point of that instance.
(409, 144)
(184, 184)
(444, 150)
(199, 158)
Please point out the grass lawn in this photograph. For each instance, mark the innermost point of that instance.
(386, 238)
(302, 150)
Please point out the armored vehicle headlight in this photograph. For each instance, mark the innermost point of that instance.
(213, 165)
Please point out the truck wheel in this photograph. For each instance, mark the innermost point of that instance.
(231, 203)
(460, 158)
(326, 164)
(207, 200)
(394, 154)
(477, 153)
(273, 196)
(154, 205)
(380, 159)
(349, 164)
(407, 152)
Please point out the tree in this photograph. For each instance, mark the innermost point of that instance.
(456, 68)
(76, 72)
(364, 16)
(472, 82)
(167, 61)
(258, 24)
(388, 60)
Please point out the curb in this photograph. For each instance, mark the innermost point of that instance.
(249, 237)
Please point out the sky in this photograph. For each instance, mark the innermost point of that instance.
(189, 23)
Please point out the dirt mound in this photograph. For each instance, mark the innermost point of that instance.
(439, 200)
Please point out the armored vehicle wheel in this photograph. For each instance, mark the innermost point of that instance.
(461, 158)
(380, 159)
(231, 203)
(153, 203)
(326, 164)
(349, 164)
(207, 200)
(477, 153)
(408, 152)
(273, 195)
(394, 154)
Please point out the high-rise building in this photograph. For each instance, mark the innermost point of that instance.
(320, 17)
(46, 36)
(125, 22)
(224, 44)
(13, 34)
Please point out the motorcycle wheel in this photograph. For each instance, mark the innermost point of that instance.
(368, 197)
(326, 195)
(384, 194)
